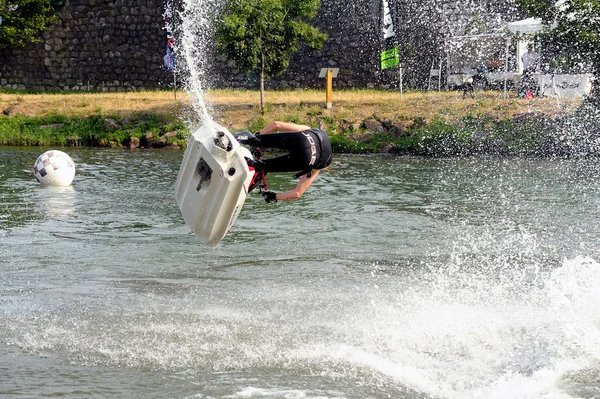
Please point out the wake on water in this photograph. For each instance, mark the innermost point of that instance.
(503, 335)
(475, 324)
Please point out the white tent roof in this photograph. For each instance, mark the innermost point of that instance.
(526, 26)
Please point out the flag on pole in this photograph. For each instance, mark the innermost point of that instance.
(169, 58)
(390, 56)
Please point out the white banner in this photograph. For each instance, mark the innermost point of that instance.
(566, 86)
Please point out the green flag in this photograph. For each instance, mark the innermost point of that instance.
(390, 58)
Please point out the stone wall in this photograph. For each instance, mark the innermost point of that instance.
(118, 45)
(107, 45)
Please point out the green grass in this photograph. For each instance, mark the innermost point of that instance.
(59, 130)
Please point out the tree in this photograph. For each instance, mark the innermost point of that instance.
(21, 21)
(263, 34)
(573, 30)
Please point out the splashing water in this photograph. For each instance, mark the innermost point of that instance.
(194, 55)
(502, 333)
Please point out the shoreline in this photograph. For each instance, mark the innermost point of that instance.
(421, 123)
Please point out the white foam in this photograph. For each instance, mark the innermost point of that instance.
(254, 392)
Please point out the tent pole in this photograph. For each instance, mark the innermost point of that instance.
(447, 45)
(440, 75)
(506, 69)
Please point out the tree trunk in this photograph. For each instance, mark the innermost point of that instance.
(262, 85)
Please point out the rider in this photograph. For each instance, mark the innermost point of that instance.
(531, 64)
(531, 60)
(308, 148)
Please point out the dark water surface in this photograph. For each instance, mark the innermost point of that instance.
(391, 278)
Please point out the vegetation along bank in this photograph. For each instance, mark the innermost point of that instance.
(365, 121)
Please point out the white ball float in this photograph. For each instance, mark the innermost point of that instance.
(54, 168)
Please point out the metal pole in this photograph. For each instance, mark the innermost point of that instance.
(430, 76)
(401, 71)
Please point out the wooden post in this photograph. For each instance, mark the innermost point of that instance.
(329, 74)
(329, 94)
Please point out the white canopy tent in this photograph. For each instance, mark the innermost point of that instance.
(551, 85)
(529, 26)
(464, 52)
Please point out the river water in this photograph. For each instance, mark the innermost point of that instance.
(393, 277)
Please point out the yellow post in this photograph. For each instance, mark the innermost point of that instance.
(329, 94)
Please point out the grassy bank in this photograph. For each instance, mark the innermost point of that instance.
(93, 131)
(360, 121)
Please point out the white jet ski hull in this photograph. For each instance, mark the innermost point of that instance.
(212, 183)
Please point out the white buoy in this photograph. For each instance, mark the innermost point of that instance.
(54, 168)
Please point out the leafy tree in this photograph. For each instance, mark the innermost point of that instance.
(21, 21)
(573, 29)
(263, 34)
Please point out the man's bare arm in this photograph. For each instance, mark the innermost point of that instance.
(301, 187)
(278, 126)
